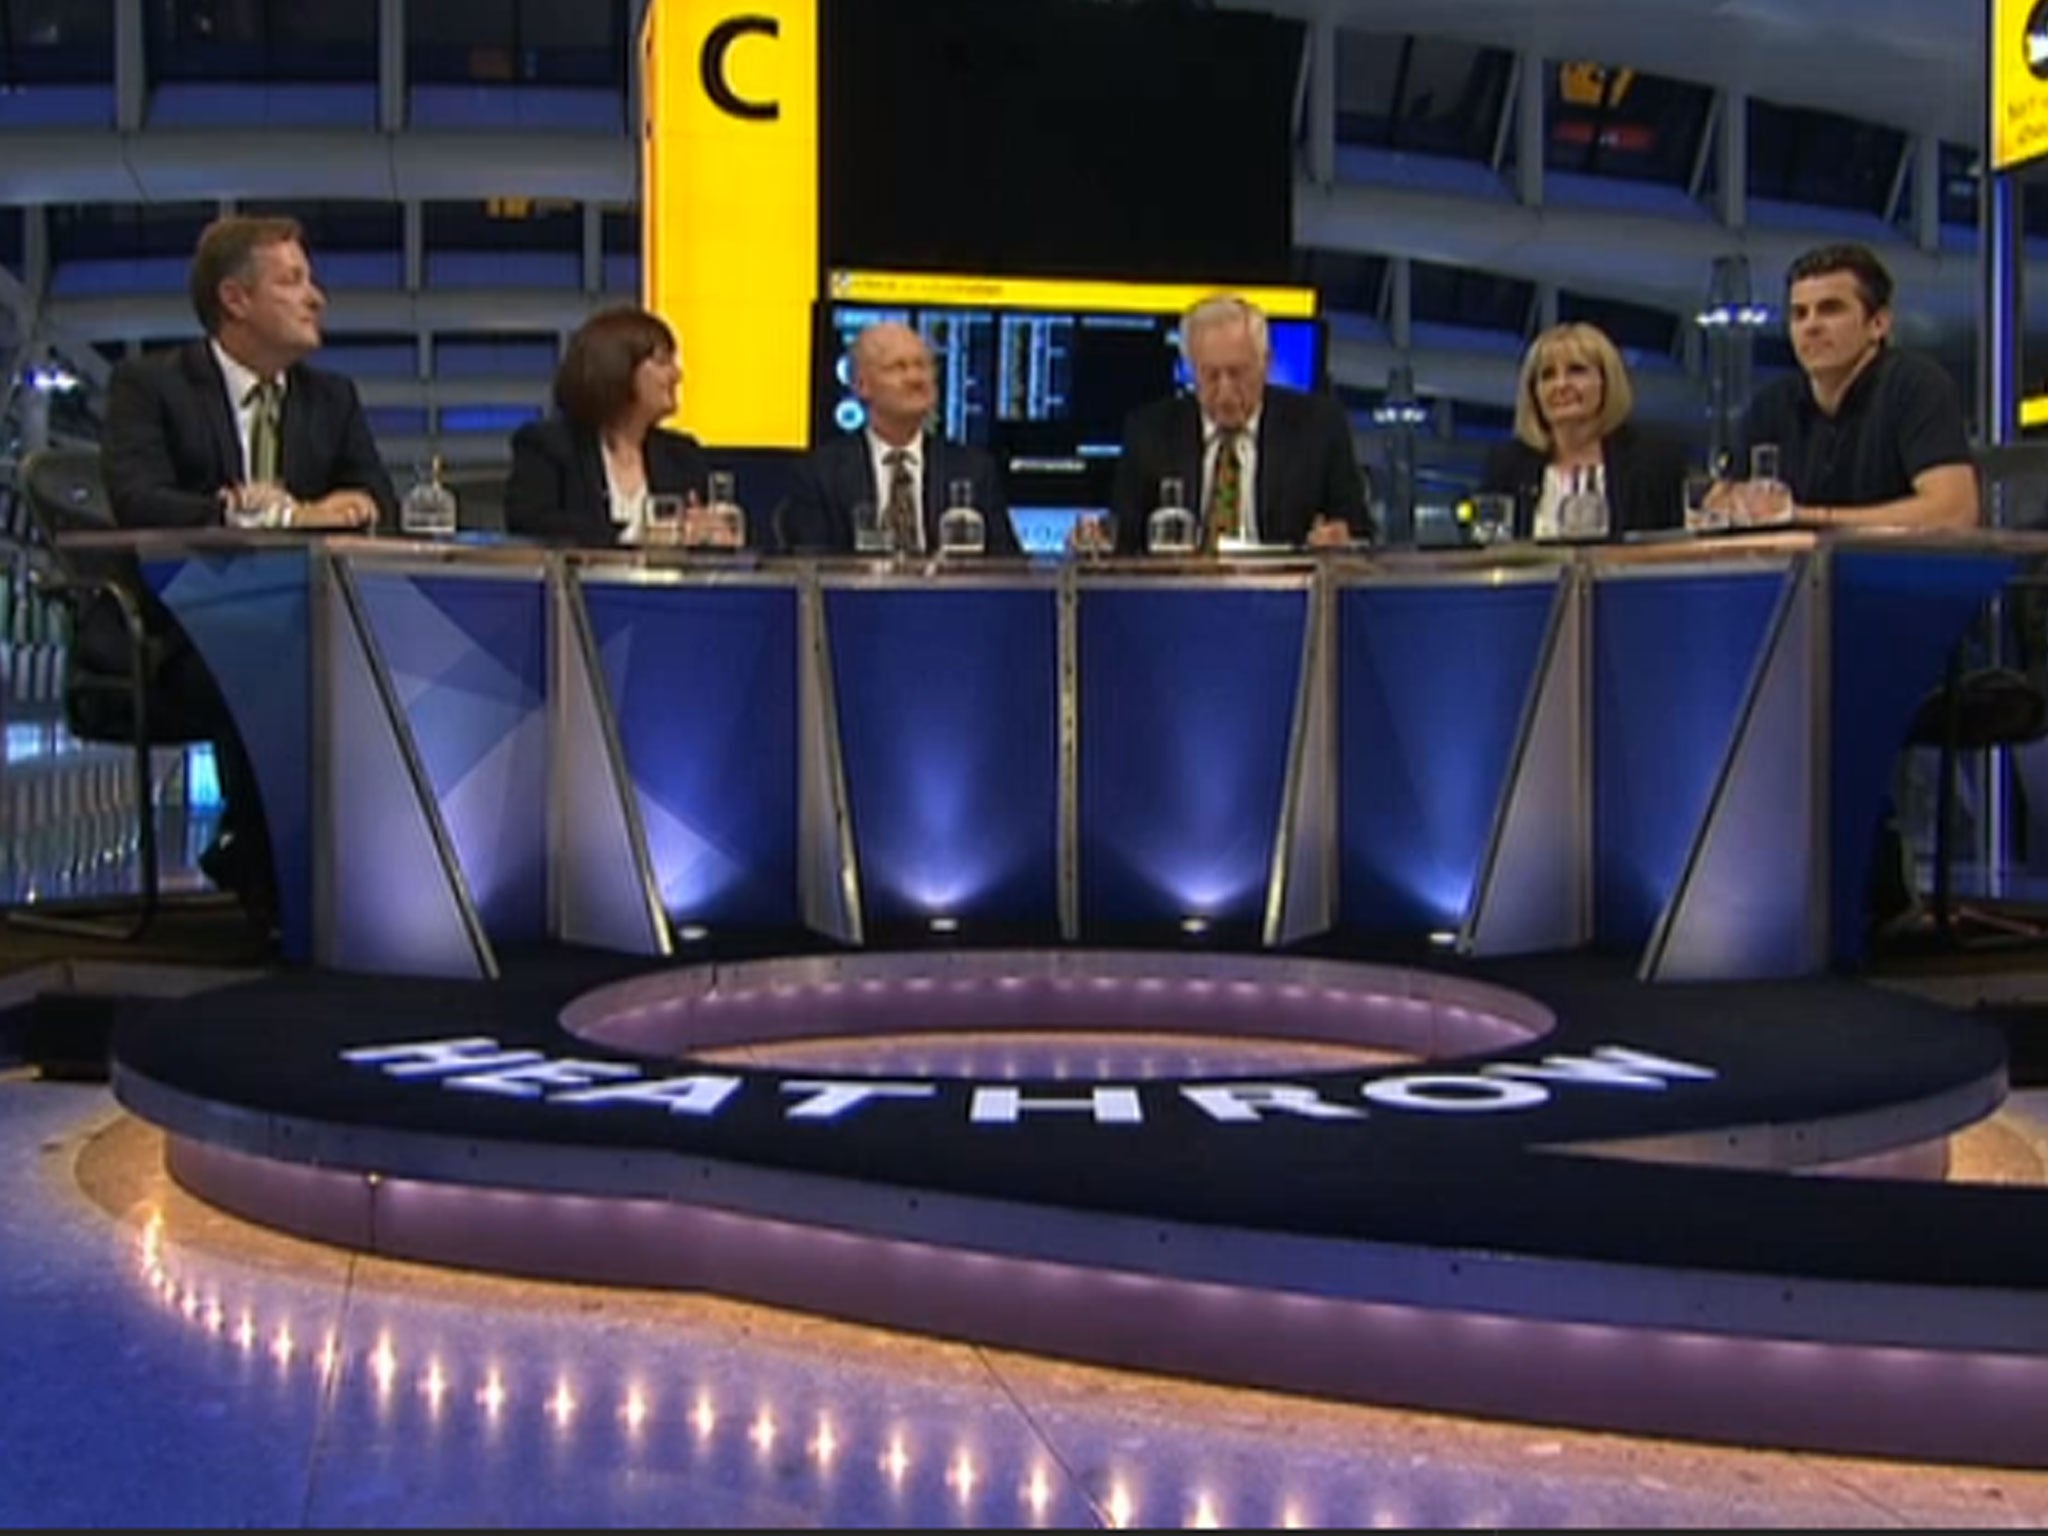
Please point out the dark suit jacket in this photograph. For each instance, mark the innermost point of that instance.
(1307, 465)
(1645, 480)
(817, 515)
(557, 489)
(169, 442)
(169, 445)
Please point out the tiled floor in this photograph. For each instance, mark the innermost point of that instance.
(167, 1365)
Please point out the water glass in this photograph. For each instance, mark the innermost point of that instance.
(1765, 499)
(1699, 510)
(663, 520)
(1493, 517)
(428, 510)
(962, 529)
(872, 534)
(1172, 531)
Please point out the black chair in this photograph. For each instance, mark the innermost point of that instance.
(1983, 705)
(1976, 709)
(63, 492)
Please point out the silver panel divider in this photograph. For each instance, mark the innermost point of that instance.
(1069, 726)
(388, 852)
(602, 888)
(828, 865)
(1744, 904)
(1301, 890)
(1534, 889)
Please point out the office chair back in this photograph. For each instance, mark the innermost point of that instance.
(64, 492)
(2013, 480)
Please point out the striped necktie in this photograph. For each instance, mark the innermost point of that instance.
(900, 513)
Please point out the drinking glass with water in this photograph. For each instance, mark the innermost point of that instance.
(428, 510)
(962, 528)
(1172, 529)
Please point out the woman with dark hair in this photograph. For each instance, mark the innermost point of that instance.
(588, 474)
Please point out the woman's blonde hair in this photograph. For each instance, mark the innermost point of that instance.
(1575, 343)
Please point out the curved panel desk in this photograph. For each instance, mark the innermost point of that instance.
(1675, 751)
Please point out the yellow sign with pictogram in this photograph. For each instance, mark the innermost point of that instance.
(2019, 82)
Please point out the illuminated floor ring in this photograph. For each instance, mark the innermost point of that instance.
(1842, 1364)
(1426, 1014)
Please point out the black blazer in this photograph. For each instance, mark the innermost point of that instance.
(1645, 480)
(556, 490)
(169, 443)
(817, 515)
(1308, 467)
(168, 446)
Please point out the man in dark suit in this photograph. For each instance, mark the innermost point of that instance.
(233, 428)
(1258, 462)
(894, 474)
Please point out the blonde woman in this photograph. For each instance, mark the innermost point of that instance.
(1573, 436)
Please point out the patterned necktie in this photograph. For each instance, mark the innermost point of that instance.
(901, 511)
(1223, 517)
(264, 439)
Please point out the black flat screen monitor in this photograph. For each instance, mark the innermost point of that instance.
(1042, 373)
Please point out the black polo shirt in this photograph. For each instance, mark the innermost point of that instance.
(1899, 419)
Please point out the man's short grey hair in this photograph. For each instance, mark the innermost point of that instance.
(1223, 309)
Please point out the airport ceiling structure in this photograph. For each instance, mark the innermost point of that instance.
(1440, 183)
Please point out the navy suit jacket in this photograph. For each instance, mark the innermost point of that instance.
(556, 490)
(169, 443)
(817, 515)
(1307, 466)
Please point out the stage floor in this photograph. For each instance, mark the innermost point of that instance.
(337, 1389)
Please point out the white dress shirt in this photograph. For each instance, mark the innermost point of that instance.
(240, 381)
(628, 509)
(1557, 484)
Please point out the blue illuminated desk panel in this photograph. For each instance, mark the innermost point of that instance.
(1675, 752)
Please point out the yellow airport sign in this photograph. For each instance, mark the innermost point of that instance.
(1052, 293)
(729, 209)
(2019, 82)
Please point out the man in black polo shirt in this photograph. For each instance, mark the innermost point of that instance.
(1868, 435)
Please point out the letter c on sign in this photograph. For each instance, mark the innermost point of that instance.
(711, 66)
